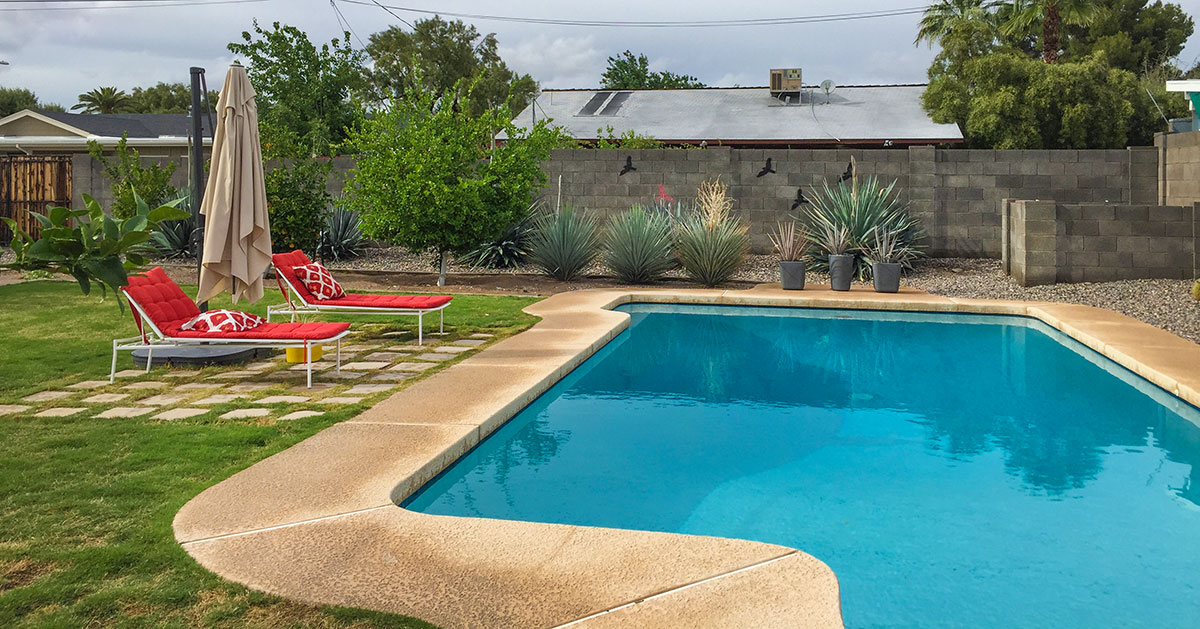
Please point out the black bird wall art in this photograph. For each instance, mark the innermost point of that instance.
(766, 170)
(628, 167)
(799, 198)
(850, 168)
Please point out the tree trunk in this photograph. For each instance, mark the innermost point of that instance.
(442, 255)
(1051, 25)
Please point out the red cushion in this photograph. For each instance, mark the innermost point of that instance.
(387, 301)
(285, 264)
(271, 331)
(161, 299)
(217, 321)
(319, 281)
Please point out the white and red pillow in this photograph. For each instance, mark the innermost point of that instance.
(319, 281)
(222, 321)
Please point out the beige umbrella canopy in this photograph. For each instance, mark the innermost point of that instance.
(237, 234)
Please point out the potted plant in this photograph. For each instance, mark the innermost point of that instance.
(789, 244)
(885, 256)
(834, 241)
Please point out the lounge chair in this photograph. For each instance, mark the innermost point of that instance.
(301, 301)
(160, 309)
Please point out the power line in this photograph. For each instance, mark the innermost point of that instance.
(136, 4)
(344, 24)
(776, 21)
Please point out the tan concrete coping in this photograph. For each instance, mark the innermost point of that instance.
(319, 522)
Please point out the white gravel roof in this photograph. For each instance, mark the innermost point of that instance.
(850, 114)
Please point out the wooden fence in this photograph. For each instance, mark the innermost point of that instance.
(31, 184)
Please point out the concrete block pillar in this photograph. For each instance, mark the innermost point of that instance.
(1033, 242)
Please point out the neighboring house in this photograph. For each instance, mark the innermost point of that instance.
(863, 116)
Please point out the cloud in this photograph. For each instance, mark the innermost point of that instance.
(559, 62)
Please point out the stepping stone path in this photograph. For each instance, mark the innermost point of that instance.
(130, 373)
(386, 357)
(343, 375)
(392, 376)
(355, 348)
(63, 411)
(340, 400)
(125, 411)
(12, 409)
(317, 386)
(47, 396)
(196, 386)
(234, 375)
(436, 356)
(412, 348)
(149, 384)
(282, 399)
(482, 335)
(105, 398)
(299, 415)
(365, 365)
(319, 366)
(367, 389)
(246, 413)
(180, 413)
(163, 400)
(469, 342)
(259, 366)
(453, 349)
(247, 387)
(221, 398)
(88, 384)
(411, 367)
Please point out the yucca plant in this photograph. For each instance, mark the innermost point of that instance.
(638, 246)
(510, 249)
(711, 244)
(342, 237)
(860, 206)
(564, 244)
(789, 240)
(884, 247)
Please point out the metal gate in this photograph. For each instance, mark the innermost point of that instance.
(32, 183)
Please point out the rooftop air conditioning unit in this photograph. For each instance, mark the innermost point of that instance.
(785, 80)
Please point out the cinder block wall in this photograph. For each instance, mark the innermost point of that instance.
(1049, 242)
(956, 193)
(87, 175)
(1179, 168)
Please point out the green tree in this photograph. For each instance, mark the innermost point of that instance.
(103, 100)
(428, 178)
(445, 54)
(961, 28)
(165, 98)
(305, 102)
(629, 72)
(14, 99)
(130, 180)
(298, 203)
(1135, 35)
(1051, 16)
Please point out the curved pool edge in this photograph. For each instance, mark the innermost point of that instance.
(318, 522)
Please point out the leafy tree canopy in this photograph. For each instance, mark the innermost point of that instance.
(1135, 34)
(305, 102)
(444, 54)
(14, 99)
(629, 72)
(165, 98)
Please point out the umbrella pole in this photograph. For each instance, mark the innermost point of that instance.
(196, 161)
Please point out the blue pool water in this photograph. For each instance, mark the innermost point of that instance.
(953, 470)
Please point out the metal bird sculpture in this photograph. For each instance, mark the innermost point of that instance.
(799, 198)
(850, 168)
(766, 170)
(628, 167)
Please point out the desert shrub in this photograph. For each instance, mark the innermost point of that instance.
(638, 246)
(297, 202)
(509, 249)
(564, 244)
(789, 241)
(859, 207)
(129, 178)
(712, 244)
(342, 237)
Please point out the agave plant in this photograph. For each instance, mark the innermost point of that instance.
(712, 244)
(564, 244)
(342, 237)
(510, 249)
(175, 239)
(638, 246)
(861, 206)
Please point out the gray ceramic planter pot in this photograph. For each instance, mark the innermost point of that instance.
(887, 277)
(791, 274)
(841, 270)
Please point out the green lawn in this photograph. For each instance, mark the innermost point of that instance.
(86, 504)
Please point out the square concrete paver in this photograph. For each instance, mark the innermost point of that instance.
(88, 384)
(413, 348)
(47, 396)
(343, 375)
(220, 398)
(364, 365)
(180, 413)
(339, 399)
(62, 411)
(317, 366)
(234, 375)
(353, 349)
(259, 366)
(299, 415)
(282, 399)
(316, 386)
(470, 342)
(149, 384)
(247, 387)
(367, 389)
(453, 349)
(196, 386)
(436, 356)
(105, 398)
(246, 413)
(12, 409)
(386, 357)
(411, 367)
(126, 411)
(163, 400)
(130, 373)
(482, 335)
(392, 376)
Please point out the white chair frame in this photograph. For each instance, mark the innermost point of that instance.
(302, 306)
(157, 340)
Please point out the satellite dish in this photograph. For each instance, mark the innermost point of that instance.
(827, 86)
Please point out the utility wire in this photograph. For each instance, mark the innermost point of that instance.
(137, 4)
(344, 24)
(775, 21)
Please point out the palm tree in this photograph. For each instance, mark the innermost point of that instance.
(1052, 14)
(104, 100)
(949, 16)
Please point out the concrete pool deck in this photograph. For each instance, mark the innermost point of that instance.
(319, 522)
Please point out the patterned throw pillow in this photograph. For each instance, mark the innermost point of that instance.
(319, 281)
(222, 321)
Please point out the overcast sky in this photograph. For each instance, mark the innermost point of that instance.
(59, 54)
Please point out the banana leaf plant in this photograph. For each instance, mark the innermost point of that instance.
(89, 244)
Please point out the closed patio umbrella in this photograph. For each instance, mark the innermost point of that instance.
(237, 234)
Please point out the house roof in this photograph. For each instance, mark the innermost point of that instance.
(136, 125)
(51, 130)
(851, 114)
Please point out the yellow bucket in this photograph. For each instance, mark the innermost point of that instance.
(296, 354)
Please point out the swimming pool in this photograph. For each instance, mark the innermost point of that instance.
(953, 470)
